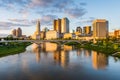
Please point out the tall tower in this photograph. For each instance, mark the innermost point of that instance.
(87, 30)
(100, 28)
(61, 25)
(19, 32)
(79, 29)
(13, 32)
(65, 25)
(38, 27)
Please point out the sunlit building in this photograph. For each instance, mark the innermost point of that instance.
(87, 30)
(65, 25)
(69, 36)
(13, 32)
(99, 60)
(61, 25)
(100, 28)
(52, 34)
(117, 33)
(36, 34)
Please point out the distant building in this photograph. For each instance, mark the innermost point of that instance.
(117, 33)
(36, 34)
(87, 30)
(69, 36)
(52, 34)
(19, 32)
(57, 25)
(13, 32)
(111, 34)
(61, 25)
(100, 29)
(79, 30)
(65, 25)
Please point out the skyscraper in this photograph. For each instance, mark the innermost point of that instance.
(13, 32)
(87, 30)
(38, 27)
(61, 25)
(79, 29)
(36, 34)
(18, 32)
(100, 28)
(57, 25)
(65, 25)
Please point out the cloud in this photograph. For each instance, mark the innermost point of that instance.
(76, 12)
(47, 19)
(10, 25)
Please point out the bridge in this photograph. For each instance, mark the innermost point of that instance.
(60, 42)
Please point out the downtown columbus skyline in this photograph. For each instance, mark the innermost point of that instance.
(24, 13)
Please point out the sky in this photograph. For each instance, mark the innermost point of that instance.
(24, 13)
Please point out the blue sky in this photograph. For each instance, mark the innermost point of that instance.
(24, 13)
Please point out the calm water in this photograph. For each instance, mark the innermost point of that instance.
(50, 62)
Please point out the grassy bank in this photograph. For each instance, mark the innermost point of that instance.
(12, 48)
(108, 48)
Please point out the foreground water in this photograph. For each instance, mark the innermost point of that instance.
(50, 62)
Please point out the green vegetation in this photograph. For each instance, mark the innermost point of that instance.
(12, 48)
(103, 46)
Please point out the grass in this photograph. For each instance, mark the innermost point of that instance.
(13, 48)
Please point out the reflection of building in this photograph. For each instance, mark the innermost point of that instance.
(62, 58)
(100, 28)
(67, 48)
(36, 50)
(99, 60)
(50, 47)
(52, 34)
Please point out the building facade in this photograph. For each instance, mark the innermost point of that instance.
(52, 34)
(36, 34)
(100, 29)
(61, 25)
(79, 30)
(87, 30)
(19, 32)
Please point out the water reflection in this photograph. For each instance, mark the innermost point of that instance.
(99, 60)
(58, 63)
(36, 49)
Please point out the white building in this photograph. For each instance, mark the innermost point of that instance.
(52, 34)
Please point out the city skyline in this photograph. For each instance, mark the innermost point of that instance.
(24, 13)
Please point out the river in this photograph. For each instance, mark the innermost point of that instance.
(48, 61)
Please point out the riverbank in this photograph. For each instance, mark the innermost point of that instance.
(106, 48)
(12, 48)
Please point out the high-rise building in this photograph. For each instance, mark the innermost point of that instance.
(36, 34)
(61, 25)
(57, 25)
(87, 30)
(100, 28)
(79, 29)
(18, 32)
(38, 27)
(13, 32)
(65, 25)
(117, 33)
